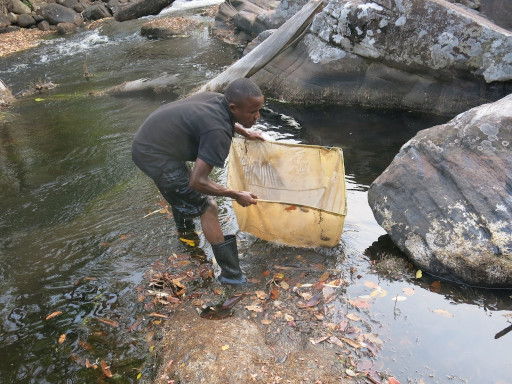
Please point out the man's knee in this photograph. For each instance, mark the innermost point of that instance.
(212, 209)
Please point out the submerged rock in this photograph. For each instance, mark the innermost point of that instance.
(446, 198)
(161, 84)
(168, 27)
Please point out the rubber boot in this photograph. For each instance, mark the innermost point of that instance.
(183, 225)
(226, 254)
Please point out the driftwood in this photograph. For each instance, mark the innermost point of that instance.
(267, 50)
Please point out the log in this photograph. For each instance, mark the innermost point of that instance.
(267, 50)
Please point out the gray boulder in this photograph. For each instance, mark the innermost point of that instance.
(18, 7)
(75, 5)
(133, 9)
(26, 20)
(4, 21)
(96, 12)
(56, 14)
(66, 28)
(446, 198)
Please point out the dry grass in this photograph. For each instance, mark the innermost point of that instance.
(20, 40)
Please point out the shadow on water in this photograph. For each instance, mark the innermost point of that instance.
(76, 237)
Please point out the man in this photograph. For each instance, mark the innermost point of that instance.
(200, 128)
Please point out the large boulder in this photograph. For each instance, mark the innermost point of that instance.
(25, 20)
(56, 14)
(446, 198)
(18, 7)
(424, 55)
(96, 12)
(133, 9)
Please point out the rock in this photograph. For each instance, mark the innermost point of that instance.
(133, 9)
(18, 7)
(499, 11)
(4, 21)
(25, 20)
(56, 14)
(66, 28)
(75, 5)
(6, 97)
(96, 12)
(429, 56)
(445, 200)
(258, 40)
(168, 26)
(43, 25)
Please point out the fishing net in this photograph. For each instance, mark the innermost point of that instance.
(301, 190)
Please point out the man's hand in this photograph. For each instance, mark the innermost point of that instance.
(245, 198)
(250, 135)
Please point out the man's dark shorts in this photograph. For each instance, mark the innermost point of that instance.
(173, 184)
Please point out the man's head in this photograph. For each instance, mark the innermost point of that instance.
(245, 101)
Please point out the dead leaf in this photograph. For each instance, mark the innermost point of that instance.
(435, 286)
(359, 303)
(372, 338)
(334, 283)
(62, 338)
(399, 298)
(409, 291)
(323, 278)
(288, 317)
(371, 284)
(254, 308)
(290, 208)
(266, 322)
(225, 347)
(318, 339)
(190, 243)
(392, 380)
(266, 273)
(278, 277)
(112, 323)
(351, 342)
(314, 301)
(353, 317)
(350, 372)
(52, 315)
(274, 294)
(334, 340)
(88, 364)
(442, 312)
(419, 274)
(233, 300)
(285, 285)
(105, 369)
(85, 345)
(156, 314)
(379, 292)
(261, 295)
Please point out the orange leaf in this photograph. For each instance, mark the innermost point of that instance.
(112, 323)
(266, 273)
(62, 338)
(392, 380)
(291, 208)
(105, 368)
(359, 303)
(323, 278)
(274, 294)
(56, 313)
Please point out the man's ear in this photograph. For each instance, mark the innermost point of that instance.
(232, 107)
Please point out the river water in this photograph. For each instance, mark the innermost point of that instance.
(74, 239)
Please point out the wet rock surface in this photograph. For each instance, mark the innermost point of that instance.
(291, 325)
(445, 198)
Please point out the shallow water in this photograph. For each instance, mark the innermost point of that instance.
(73, 236)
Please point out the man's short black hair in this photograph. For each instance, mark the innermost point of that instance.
(241, 88)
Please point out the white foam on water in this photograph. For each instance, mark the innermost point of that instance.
(181, 5)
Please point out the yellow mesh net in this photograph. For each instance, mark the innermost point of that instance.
(301, 190)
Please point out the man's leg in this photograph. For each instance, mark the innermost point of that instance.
(210, 224)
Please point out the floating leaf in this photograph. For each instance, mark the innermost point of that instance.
(436, 286)
(365, 297)
(371, 284)
(392, 380)
(350, 373)
(334, 340)
(419, 274)
(274, 294)
(399, 298)
(52, 315)
(442, 312)
(139, 375)
(323, 278)
(62, 338)
(112, 323)
(39, 99)
(314, 301)
(359, 304)
(106, 369)
(353, 317)
(290, 208)
(334, 283)
(372, 338)
(379, 292)
(351, 342)
(409, 291)
(225, 347)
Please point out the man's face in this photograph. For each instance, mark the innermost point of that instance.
(248, 111)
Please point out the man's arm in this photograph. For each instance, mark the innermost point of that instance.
(200, 181)
(251, 135)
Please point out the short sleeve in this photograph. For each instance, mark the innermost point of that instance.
(214, 147)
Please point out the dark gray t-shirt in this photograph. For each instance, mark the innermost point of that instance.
(199, 126)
